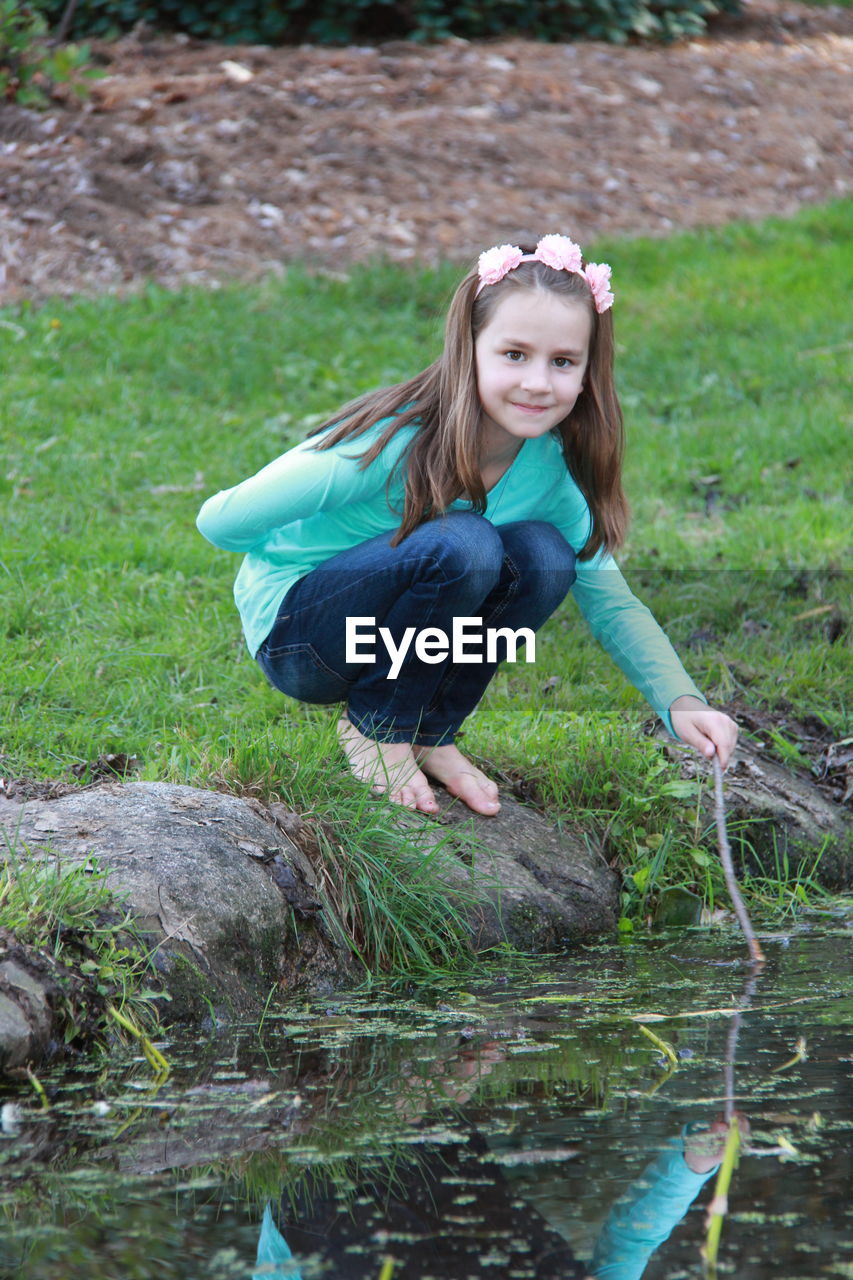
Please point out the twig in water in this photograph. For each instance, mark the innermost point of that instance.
(665, 1048)
(39, 1088)
(800, 1055)
(719, 1205)
(731, 1043)
(152, 1053)
(728, 867)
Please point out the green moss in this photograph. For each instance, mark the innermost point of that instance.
(255, 954)
(194, 995)
(536, 930)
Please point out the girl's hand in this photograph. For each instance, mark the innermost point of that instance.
(707, 730)
(704, 1151)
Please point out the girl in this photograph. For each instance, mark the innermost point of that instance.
(477, 494)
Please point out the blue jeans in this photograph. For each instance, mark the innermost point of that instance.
(458, 565)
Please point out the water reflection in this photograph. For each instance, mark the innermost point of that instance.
(520, 1129)
(457, 1213)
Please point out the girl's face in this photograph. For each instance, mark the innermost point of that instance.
(531, 360)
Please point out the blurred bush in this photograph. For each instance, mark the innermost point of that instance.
(348, 21)
(31, 68)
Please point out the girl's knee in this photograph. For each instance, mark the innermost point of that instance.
(535, 544)
(464, 543)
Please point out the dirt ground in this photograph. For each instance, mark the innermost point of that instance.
(196, 162)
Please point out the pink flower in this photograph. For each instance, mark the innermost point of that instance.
(493, 264)
(597, 276)
(559, 252)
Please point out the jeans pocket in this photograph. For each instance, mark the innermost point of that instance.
(300, 672)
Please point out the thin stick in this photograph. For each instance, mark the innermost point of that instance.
(728, 867)
(731, 1042)
(718, 1208)
(65, 22)
(729, 1069)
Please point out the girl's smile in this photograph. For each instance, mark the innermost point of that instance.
(531, 361)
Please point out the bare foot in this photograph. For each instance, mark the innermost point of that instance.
(389, 767)
(461, 778)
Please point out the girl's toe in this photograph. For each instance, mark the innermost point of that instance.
(426, 801)
(405, 798)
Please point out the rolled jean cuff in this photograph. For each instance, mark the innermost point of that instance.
(443, 739)
(378, 729)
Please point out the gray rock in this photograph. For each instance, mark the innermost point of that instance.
(26, 1016)
(233, 908)
(18, 1041)
(544, 888)
(212, 881)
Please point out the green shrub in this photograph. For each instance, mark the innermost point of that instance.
(30, 68)
(342, 21)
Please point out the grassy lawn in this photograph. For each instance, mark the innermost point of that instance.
(119, 416)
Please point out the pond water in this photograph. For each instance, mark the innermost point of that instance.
(522, 1126)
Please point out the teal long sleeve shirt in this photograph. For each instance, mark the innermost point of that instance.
(308, 505)
(645, 1216)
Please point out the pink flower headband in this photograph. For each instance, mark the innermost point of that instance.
(558, 252)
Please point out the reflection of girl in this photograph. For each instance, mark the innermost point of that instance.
(448, 1213)
(486, 487)
(441, 1216)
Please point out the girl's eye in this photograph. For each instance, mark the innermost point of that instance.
(514, 355)
(562, 362)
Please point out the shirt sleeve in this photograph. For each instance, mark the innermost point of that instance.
(628, 631)
(645, 1216)
(295, 486)
(620, 622)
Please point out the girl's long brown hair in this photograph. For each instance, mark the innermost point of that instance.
(442, 459)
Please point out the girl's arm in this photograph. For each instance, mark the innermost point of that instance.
(646, 1214)
(636, 642)
(628, 631)
(295, 486)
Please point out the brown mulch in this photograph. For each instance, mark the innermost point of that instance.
(194, 162)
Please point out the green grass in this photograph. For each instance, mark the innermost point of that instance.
(70, 920)
(119, 416)
(392, 887)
